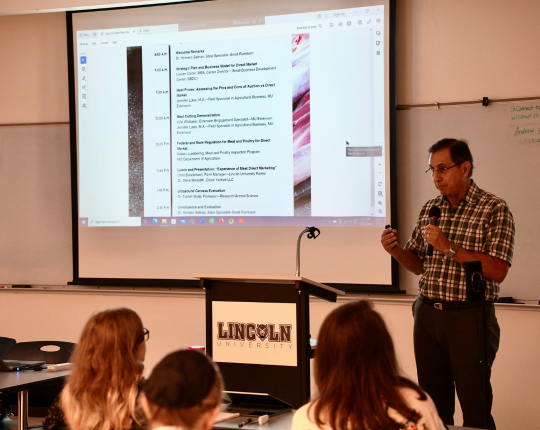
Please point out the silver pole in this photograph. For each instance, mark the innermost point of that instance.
(22, 399)
(298, 250)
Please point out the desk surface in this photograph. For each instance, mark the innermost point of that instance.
(12, 382)
(280, 422)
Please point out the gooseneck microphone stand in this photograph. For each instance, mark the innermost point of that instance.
(313, 233)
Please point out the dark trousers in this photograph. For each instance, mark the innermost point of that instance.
(448, 347)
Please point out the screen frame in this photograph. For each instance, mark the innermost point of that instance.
(393, 288)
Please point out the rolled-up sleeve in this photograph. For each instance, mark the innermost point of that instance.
(416, 242)
(500, 238)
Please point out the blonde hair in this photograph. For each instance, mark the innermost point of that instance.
(102, 390)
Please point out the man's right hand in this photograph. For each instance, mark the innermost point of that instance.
(406, 258)
(389, 240)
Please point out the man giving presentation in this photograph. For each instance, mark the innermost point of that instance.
(473, 225)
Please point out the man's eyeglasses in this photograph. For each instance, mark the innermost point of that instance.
(441, 170)
(146, 334)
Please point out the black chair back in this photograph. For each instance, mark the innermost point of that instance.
(34, 351)
(5, 345)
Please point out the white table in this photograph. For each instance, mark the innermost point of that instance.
(22, 381)
(280, 422)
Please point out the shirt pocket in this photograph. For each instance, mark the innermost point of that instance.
(471, 232)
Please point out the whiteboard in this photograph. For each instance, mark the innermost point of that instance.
(35, 214)
(35, 208)
(505, 164)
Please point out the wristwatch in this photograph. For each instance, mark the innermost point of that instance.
(453, 250)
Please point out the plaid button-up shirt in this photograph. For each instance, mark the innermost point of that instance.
(480, 222)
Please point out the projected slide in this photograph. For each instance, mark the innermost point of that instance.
(280, 122)
(232, 151)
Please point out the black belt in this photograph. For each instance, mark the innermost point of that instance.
(447, 306)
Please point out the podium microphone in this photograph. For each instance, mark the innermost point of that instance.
(434, 215)
(313, 233)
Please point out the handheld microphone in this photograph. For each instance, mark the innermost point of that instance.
(434, 215)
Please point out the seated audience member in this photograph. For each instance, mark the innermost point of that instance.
(359, 384)
(183, 392)
(101, 392)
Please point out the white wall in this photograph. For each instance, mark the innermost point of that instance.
(454, 50)
(448, 50)
(33, 67)
(10, 7)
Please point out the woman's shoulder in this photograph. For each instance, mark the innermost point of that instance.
(417, 399)
(421, 403)
(170, 428)
(302, 413)
(303, 418)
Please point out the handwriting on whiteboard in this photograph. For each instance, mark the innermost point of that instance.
(524, 119)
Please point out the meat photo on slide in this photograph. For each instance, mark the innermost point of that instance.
(301, 125)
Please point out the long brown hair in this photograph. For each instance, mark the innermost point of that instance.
(357, 373)
(102, 390)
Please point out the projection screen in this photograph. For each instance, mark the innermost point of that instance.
(206, 135)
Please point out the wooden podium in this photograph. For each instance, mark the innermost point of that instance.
(257, 331)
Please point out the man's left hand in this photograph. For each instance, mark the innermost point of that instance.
(435, 237)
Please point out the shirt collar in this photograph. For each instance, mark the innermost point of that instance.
(473, 194)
